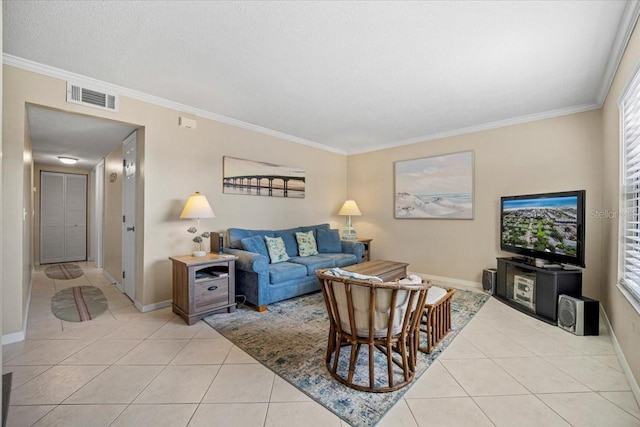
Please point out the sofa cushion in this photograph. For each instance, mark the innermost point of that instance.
(283, 271)
(342, 260)
(306, 243)
(314, 262)
(315, 228)
(289, 238)
(255, 244)
(234, 236)
(276, 249)
(328, 241)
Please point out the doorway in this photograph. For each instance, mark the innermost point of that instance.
(129, 215)
(63, 217)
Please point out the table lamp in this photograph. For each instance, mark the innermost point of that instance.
(197, 207)
(349, 208)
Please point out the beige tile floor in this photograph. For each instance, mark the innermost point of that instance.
(126, 368)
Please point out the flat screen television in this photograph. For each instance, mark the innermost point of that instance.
(547, 226)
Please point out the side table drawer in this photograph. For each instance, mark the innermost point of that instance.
(210, 293)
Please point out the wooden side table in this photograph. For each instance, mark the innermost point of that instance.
(203, 285)
(366, 255)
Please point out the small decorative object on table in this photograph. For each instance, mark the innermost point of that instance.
(198, 207)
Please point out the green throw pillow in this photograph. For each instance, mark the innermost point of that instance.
(306, 243)
(276, 248)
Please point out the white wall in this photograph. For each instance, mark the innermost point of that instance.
(623, 317)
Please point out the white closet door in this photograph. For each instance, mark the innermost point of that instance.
(63, 217)
(75, 218)
(51, 217)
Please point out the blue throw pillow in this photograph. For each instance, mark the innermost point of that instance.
(255, 244)
(328, 241)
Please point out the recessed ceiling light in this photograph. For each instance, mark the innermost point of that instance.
(68, 160)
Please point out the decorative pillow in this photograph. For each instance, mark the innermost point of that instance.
(306, 243)
(255, 244)
(276, 248)
(329, 241)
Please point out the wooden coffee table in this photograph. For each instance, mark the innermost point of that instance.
(388, 271)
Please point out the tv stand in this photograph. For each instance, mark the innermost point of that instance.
(535, 290)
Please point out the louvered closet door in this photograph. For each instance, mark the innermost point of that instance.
(75, 218)
(51, 217)
(63, 217)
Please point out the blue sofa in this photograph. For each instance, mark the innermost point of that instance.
(263, 282)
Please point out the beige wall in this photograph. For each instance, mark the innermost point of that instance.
(176, 162)
(624, 318)
(557, 154)
(15, 282)
(37, 168)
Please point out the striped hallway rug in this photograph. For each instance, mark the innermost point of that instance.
(79, 303)
(63, 271)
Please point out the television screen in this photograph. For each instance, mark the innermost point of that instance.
(546, 226)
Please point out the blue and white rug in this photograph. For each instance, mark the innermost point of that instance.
(291, 338)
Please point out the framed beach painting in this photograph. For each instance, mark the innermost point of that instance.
(439, 187)
(254, 178)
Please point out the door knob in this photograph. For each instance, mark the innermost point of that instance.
(131, 228)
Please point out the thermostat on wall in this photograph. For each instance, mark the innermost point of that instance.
(186, 122)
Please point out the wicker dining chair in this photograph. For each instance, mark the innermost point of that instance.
(380, 316)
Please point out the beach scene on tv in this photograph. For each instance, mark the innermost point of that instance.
(545, 224)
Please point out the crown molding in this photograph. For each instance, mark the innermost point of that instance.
(625, 29)
(58, 73)
(483, 127)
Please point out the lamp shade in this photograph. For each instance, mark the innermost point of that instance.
(349, 208)
(197, 207)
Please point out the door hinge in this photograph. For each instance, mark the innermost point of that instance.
(124, 218)
(124, 163)
(123, 275)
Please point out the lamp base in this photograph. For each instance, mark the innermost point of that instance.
(198, 254)
(349, 234)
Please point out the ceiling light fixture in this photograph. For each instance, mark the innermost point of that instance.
(68, 160)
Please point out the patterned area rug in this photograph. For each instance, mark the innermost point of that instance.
(291, 337)
(63, 271)
(79, 303)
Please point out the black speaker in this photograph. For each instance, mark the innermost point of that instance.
(489, 280)
(578, 315)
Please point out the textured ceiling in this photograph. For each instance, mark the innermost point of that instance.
(88, 139)
(351, 76)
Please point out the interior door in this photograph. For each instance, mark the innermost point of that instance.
(75, 218)
(129, 216)
(63, 217)
(51, 217)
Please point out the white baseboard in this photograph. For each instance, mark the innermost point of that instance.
(14, 337)
(154, 306)
(635, 389)
(448, 280)
(22, 335)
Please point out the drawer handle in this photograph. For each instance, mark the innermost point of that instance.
(212, 288)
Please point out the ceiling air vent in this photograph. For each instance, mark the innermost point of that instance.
(93, 98)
